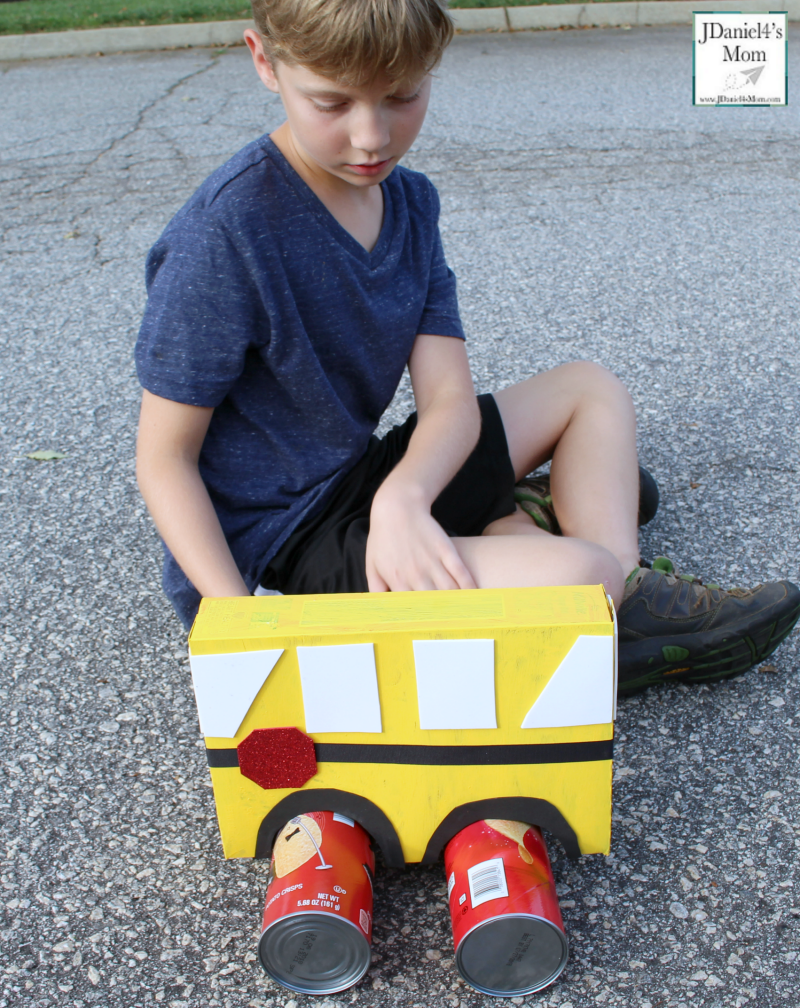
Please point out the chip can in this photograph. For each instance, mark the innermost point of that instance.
(507, 927)
(317, 926)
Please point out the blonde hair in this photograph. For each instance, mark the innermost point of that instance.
(353, 40)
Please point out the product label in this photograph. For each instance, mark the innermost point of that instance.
(487, 881)
(321, 863)
(502, 866)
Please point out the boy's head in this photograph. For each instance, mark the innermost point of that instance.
(353, 76)
(353, 41)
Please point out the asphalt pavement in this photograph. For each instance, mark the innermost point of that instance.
(590, 212)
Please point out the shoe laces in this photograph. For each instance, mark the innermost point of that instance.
(534, 498)
(665, 566)
(523, 493)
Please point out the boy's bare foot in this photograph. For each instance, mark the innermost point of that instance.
(533, 496)
(672, 627)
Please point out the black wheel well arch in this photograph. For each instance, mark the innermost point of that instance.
(535, 811)
(365, 813)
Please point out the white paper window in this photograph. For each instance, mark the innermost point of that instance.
(582, 689)
(455, 683)
(225, 686)
(340, 688)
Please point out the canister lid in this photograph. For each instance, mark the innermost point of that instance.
(314, 953)
(512, 954)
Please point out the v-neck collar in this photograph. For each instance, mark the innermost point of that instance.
(325, 217)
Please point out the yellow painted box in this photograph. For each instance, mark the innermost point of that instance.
(415, 713)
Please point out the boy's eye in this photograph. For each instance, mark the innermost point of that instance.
(329, 108)
(339, 106)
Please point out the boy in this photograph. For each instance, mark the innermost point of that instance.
(285, 300)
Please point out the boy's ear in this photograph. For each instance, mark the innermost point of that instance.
(261, 61)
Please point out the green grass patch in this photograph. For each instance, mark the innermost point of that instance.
(59, 15)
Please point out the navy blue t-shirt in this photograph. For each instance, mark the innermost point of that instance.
(263, 306)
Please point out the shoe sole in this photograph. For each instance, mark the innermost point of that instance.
(648, 497)
(701, 657)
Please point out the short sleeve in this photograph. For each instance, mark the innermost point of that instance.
(440, 317)
(203, 313)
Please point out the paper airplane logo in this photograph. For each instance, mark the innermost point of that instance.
(749, 73)
(753, 73)
(742, 78)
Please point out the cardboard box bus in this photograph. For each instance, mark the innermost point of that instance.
(414, 713)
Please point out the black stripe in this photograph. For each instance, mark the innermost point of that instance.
(424, 755)
(465, 755)
(222, 757)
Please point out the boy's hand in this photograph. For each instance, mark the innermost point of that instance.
(407, 549)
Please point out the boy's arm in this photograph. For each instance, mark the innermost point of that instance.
(171, 435)
(407, 550)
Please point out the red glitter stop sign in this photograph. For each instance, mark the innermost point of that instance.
(277, 757)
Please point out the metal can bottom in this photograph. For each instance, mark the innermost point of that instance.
(512, 955)
(314, 953)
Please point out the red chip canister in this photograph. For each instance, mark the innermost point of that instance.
(317, 924)
(507, 927)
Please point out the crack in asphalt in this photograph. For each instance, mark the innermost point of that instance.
(212, 62)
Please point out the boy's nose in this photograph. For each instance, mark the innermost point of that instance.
(369, 132)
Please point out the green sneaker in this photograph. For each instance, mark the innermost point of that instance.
(533, 496)
(673, 627)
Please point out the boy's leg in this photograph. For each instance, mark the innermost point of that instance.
(669, 627)
(535, 558)
(582, 417)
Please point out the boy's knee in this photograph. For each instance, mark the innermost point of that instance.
(599, 566)
(588, 374)
(594, 381)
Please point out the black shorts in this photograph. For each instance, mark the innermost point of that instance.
(327, 553)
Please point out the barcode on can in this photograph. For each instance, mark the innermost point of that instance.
(487, 881)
